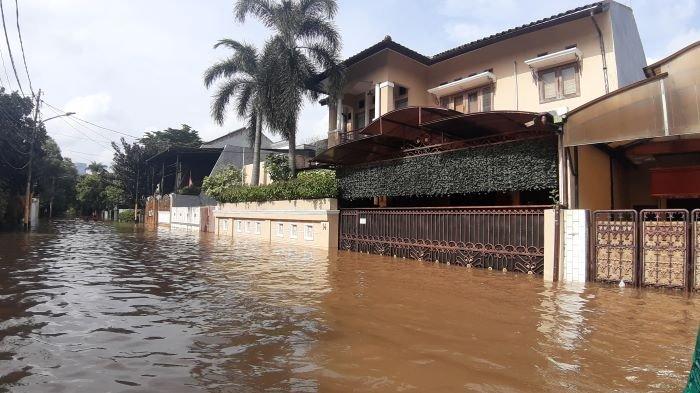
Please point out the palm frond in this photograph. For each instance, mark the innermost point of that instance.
(223, 96)
(327, 8)
(262, 9)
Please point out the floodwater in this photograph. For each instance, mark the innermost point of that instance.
(92, 307)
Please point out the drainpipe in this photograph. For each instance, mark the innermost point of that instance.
(515, 75)
(602, 53)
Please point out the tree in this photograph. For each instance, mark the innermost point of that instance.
(90, 192)
(243, 82)
(304, 44)
(97, 167)
(157, 141)
(17, 129)
(129, 169)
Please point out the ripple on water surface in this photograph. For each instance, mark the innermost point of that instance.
(88, 307)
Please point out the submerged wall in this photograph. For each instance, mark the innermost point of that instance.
(310, 222)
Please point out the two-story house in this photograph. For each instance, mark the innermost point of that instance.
(475, 125)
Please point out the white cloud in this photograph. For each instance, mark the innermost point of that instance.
(90, 106)
(683, 39)
(467, 32)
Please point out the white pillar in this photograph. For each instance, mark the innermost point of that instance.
(367, 119)
(339, 115)
(377, 101)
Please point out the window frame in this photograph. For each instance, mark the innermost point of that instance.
(239, 226)
(308, 235)
(293, 231)
(280, 229)
(258, 227)
(559, 82)
(464, 94)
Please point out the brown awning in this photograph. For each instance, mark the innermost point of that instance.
(408, 129)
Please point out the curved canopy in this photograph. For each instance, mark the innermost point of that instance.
(418, 130)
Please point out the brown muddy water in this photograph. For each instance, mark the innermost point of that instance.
(90, 307)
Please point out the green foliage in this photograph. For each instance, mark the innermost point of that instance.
(304, 43)
(130, 170)
(112, 196)
(522, 165)
(90, 190)
(278, 168)
(308, 185)
(158, 141)
(126, 215)
(216, 185)
(190, 190)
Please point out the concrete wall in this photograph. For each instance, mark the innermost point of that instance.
(310, 223)
(627, 45)
(185, 217)
(163, 217)
(264, 174)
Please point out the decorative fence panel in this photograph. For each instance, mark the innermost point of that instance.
(615, 246)
(664, 252)
(695, 254)
(509, 237)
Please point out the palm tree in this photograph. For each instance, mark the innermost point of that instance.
(304, 43)
(97, 168)
(243, 83)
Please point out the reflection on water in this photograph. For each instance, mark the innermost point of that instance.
(88, 307)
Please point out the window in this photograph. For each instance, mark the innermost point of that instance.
(400, 97)
(476, 100)
(248, 226)
(239, 226)
(293, 231)
(280, 229)
(559, 82)
(224, 225)
(360, 120)
(258, 226)
(361, 104)
(308, 232)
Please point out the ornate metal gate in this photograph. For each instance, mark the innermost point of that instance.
(695, 243)
(615, 246)
(509, 237)
(664, 247)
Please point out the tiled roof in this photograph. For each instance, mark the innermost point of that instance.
(387, 43)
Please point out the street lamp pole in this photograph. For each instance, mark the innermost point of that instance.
(28, 192)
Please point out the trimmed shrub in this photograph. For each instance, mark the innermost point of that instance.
(126, 215)
(277, 165)
(216, 185)
(514, 166)
(314, 184)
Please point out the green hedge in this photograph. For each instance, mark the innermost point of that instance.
(308, 185)
(514, 166)
(126, 215)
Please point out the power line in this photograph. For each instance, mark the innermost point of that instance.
(7, 76)
(84, 134)
(21, 45)
(9, 50)
(91, 123)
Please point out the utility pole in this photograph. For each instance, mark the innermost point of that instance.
(28, 196)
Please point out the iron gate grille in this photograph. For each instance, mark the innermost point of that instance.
(615, 246)
(695, 222)
(509, 238)
(664, 247)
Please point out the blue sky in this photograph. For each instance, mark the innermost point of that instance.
(135, 65)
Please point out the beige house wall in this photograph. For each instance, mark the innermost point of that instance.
(308, 223)
(593, 179)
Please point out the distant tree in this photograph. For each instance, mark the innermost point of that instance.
(55, 178)
(97, 167)
(243, 82)
(158, 141)
(90, 189)
(304, 44)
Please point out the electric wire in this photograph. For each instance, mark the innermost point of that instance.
(85, 134)
(21, 45)
(9, 49)
(91, 123)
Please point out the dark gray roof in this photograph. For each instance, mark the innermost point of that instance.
(387, 43)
